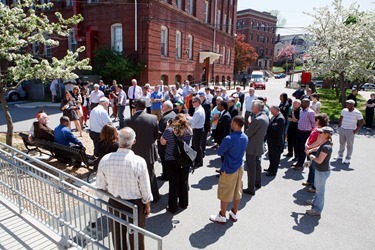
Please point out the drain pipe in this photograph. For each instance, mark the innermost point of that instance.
(135, 25)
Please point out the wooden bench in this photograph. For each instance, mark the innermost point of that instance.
(56, 150)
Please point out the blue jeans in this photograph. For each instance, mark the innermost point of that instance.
(121, 116)
(320, 185)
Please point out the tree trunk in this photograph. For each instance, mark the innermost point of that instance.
(342, 89)
(8, 117)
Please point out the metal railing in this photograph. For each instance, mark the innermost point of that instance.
(68, 205)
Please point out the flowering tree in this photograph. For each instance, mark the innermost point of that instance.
(23, 26)
(244, 54)
(286, 53)
(344, 44)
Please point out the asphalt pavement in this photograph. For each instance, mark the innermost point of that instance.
(275, 217)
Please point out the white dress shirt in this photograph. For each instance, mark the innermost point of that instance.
(95, 96)
(249, 101)
(197, 121)
(138, 92)
(98, 118)
(124, 175)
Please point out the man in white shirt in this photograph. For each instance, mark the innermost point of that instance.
(134, 93)
(124, 175)
(249, 98)
(209, 96)
(95, 96)
(197, 124)
(54, 86)
(98, 118)
(351, 121)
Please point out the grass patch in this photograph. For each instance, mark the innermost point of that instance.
(278, 70)
(331, 104)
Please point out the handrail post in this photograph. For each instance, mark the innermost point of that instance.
(16, 183)
(63, 205)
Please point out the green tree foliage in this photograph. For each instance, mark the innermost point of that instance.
(114, 65)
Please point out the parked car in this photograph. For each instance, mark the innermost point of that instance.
(258, 83)
(279, 76)
(319, 84)
(14, 93)
(368, 86)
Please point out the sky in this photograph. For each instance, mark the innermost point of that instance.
(292, 10)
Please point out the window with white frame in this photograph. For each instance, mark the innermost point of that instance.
(223, 55)
(48, 51)
(178, 44)
(230, 25)
(72, 42)
(116, 35)
(224, 22)
(218, 21)
(69, 3)
(164, 41)
(190, 47)
(228, 55)
(190, 6)
(36, 48)
(206, 11)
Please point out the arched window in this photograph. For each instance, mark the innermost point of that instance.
(190, 47)
(178, 44)
(116, 37)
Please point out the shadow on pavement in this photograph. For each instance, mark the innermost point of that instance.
(216, 163)
(208, 235)
(338, 166)
(301, 196)
(305, 224)
(292, 174)
(160, 205)
(206, 183)
(161, 224)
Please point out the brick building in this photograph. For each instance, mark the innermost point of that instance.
(176, 39)
(259, 29)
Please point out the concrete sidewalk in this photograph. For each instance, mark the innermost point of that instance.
(32, 105)
(21, 231)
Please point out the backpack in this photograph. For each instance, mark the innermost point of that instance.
(183, 153)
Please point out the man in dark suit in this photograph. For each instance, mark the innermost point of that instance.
(223, 125)
(207, 121)
(255, 147)
(168, 115)
(146, 130)
(275, 140)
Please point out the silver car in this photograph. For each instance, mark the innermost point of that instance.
(14, 93)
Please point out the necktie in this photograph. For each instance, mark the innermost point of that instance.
(133, 93)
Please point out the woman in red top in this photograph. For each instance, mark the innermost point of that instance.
(312, 143)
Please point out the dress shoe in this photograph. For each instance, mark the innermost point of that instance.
(266, 169)
(270, 174)
(288, 155)
(247, 191)
(311, 190)
(306, 183)
(258, 187)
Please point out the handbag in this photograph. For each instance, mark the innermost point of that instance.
(183, 153)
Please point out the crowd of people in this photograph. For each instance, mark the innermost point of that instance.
(238, 125)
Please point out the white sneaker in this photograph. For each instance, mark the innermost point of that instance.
(232, 216)
(346, 161)
(218, 218)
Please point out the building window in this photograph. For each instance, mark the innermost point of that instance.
(69, 3)
(116, 35)
(178, 44)
(230, 26)
(223, 55)
(178, 4)
(190, 47)
(228, 55)
(271, 40)
(92, 1)
(36, 49)
(257, 38)
(164, 41)
(262, 39)
(206, 11)
(266, 53)
(225, 22)
(251, 36)
(72, 43)
(48, 51)
(218, 21)
(190, 6)
(267, 39)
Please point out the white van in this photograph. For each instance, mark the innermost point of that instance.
(256, 74)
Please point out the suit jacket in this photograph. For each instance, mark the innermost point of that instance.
(223, 126)
(275, 131)
(256, 133)
(207, 110)
(170, 115)
(146, 130)
(233, 111)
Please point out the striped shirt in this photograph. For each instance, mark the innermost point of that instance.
(168, 136)
(124, 175)
(306, 120)
(350, 119)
